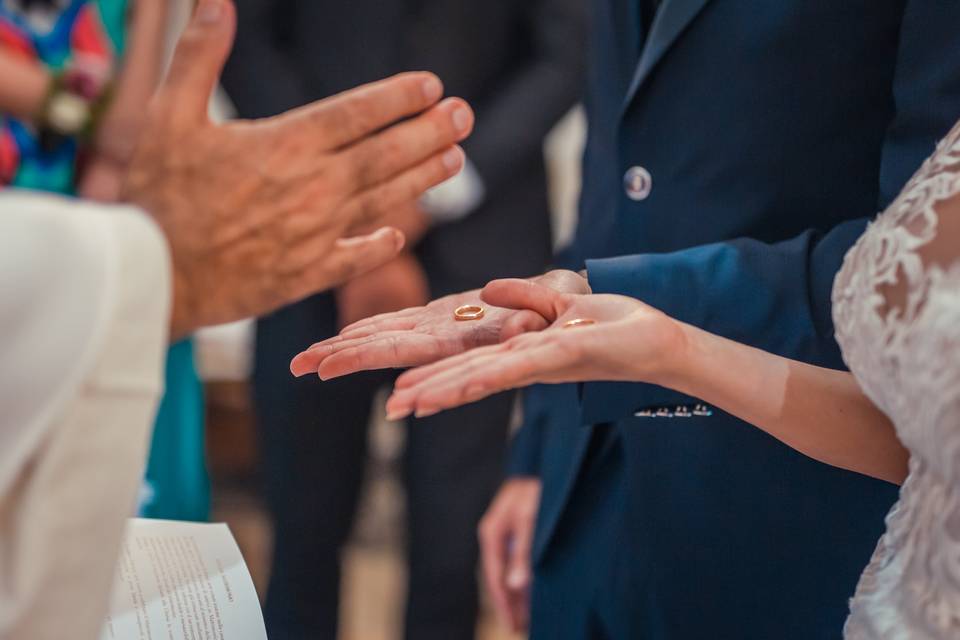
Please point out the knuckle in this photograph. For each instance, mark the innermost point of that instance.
(362, 169)
(331, 120)
(392, 150)
(362, 113)
(366, 209)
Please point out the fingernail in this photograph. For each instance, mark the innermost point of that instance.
(432, 89)
(210, 12)
(426, 413)
(461, 119)
(452, 159)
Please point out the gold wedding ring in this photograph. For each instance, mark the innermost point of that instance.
(578, 322)
(468, 312)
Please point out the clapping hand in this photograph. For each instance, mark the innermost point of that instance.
(259, 214)
(590, 337)
(422, 335)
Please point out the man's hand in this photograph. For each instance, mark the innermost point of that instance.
(506, 537)
(102, 180)
(421, 335)
(259, 214)
(399, 284)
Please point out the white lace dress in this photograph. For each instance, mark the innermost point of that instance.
(897, 312)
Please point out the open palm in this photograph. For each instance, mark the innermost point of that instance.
(422, 335)
(628, 340)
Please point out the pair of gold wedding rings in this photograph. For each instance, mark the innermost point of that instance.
(470, 312)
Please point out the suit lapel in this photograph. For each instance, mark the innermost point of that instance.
(671, 20)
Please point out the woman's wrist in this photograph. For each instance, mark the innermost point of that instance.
(672, 368)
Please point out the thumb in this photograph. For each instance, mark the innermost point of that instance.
(355, 256)
(198, 61)
(522, 322)
(523, 294)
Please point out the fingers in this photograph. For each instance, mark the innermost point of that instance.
(522, 322)
(414, 377)
(388, 351)
(523, 294)
(396, 321)
(391, 350)
(349, 258)
(355, 114)
(408, 144)
(359, 334)
(489, 371)
(409, 186)
(445, 384)
(493, 553)
(310, 360)
(198, 61)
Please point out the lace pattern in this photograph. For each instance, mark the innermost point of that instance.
(896, 308)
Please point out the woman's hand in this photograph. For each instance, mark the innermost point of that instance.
(627, 340)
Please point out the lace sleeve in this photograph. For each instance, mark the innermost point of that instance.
(908, 260)
(923, 242)
(897, 312)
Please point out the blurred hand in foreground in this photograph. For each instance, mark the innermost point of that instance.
(422, 335)
(506, 539)
(623, 339)
(259, 214)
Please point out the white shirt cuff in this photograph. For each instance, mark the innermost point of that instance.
(456, 198)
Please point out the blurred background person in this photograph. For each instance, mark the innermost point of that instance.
(520, 64)
(75, 79)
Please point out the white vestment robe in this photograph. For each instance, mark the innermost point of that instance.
(85, 295)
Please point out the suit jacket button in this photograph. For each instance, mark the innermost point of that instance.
(637, 183)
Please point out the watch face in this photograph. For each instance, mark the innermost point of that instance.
(68, 114)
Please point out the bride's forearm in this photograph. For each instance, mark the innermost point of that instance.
(819, 412)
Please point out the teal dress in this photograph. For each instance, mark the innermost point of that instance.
(176, 484)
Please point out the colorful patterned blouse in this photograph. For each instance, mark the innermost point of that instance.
(53, 33)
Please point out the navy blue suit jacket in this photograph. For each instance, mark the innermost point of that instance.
(772, 131)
